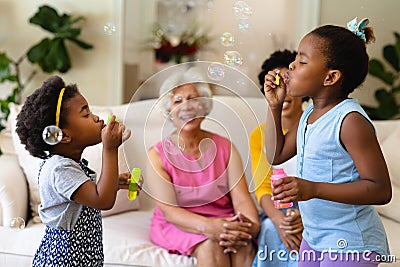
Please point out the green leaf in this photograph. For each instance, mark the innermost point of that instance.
(81, 44)
(390, 54)
(377, 69)
(48, 18)
(12, 78)
(37, 52)
(387, 107)
(51, 55)
(57, 58)
(396, 89)
(4, 67)
(397, 44)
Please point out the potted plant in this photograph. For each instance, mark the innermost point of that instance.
(388, 95)
(50, 54)
(177, 48)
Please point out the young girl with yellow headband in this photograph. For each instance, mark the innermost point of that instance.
(71, 199)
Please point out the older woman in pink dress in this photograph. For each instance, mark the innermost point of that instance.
(203, 207)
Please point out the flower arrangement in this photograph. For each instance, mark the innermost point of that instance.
(177, 48)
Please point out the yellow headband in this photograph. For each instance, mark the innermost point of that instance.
(59, 106)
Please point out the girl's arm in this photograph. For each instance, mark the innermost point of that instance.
(373, 188)
(102, 195)
(359, 139)
(279, 147)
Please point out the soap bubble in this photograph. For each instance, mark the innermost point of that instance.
(242, 10)
(227, 39)
(233, 58)
(17, 223)
(216, 71)
(109, 28)
(243, 25)
(52, 135)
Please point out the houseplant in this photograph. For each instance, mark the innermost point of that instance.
(177, 48)
(388, 95)
(49, 54)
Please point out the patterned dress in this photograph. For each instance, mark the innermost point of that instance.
(81, 246)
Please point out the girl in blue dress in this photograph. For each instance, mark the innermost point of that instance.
(341, 172)
(71, 199)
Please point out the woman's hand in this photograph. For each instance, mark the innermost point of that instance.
(274, 93)
(291, 189)
(237, 233)
(290, 229)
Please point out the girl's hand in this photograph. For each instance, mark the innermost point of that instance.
(274, 93)
(111, 134)
(124, 180)
(291, 189)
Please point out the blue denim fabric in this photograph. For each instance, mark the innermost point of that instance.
(269, 240)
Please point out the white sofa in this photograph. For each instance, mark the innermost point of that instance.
(126, 234)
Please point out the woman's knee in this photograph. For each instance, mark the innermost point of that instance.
(209, 250)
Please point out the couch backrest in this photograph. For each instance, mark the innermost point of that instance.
(233, 117)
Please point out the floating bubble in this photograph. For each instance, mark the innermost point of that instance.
(243, 25)
(216, 71)
(52, 135)
(109, 28)
(227, 39)
(17, 223)
(210, 4)
(233, 58)
(242, 10)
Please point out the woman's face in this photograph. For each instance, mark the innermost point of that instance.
(186, 108)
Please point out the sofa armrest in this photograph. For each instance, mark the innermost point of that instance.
(13, 190)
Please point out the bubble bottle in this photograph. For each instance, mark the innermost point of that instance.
(279, 173)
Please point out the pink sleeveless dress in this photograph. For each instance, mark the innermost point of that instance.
(201, 187)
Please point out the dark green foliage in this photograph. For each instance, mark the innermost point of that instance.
(50, 54)
(387, 98)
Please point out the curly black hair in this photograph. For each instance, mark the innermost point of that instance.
(278, 59)
(39, 111)
(347, 52)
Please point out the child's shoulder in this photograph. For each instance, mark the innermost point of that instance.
(59, 162)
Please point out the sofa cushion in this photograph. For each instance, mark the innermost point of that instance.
(30, 166)
(390, 149)
(391, 210)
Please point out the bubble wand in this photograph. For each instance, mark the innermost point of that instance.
(133, 186)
